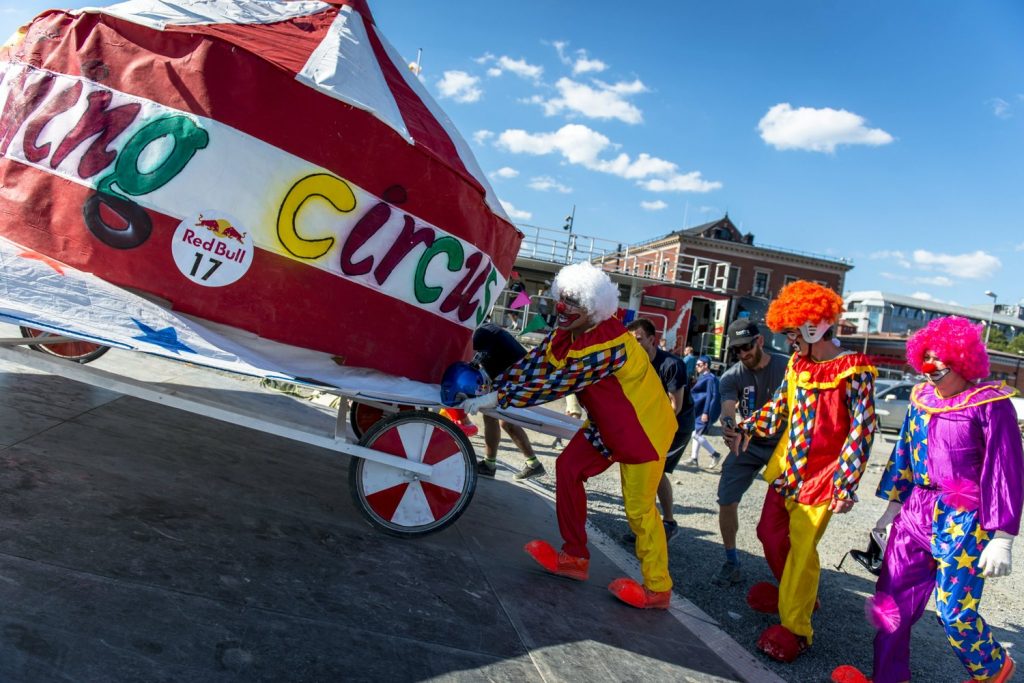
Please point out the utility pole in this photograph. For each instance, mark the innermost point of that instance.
(569, 246)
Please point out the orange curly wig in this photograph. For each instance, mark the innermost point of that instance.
(803, 302)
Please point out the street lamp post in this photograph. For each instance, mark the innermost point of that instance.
(991, 315)
(568, 226)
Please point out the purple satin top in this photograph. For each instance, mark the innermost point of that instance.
(974, 445)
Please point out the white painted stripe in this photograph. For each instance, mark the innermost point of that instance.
(344, 67)
(449, 473)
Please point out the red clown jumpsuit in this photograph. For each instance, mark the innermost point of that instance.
(630, 421)
(828, 408)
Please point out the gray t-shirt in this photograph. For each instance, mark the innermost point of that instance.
(751, 389)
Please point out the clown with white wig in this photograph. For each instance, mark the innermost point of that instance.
(630, 421)
(825, 411)
(955, 489)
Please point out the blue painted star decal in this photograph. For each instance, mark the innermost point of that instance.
(166, 338)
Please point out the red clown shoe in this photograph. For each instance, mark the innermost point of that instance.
(848, 674)
(1004, 674)
(461, 420)
(641, 597)
(764, 597)
(781, 644)
(557, 561)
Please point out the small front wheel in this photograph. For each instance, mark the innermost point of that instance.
(401, 503)
(77, 351)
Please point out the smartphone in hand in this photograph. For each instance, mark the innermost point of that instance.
(728, 422)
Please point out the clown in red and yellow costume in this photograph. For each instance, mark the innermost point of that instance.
(825, 409)
(630, 422)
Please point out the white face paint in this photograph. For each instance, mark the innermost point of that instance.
(813, 332)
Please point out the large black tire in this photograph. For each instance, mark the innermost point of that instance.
(401, 503)
(77, 351)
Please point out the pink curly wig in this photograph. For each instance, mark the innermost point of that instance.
(803, 302)
(956, 341)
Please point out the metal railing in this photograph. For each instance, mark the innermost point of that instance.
(558, 246)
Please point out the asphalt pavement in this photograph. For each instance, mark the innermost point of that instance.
(143, 543)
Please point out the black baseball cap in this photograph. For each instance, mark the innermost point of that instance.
(742, 331)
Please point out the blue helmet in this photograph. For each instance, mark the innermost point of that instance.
(461, 381)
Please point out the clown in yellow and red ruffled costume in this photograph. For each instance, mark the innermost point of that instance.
(630, 422)
(825, 411)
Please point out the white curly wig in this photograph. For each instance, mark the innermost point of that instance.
(589, 285)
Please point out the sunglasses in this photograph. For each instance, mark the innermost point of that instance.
(743, 348)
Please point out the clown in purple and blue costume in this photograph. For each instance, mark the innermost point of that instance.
(958, 473)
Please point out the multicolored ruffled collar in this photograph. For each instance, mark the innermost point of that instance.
(928, 400)
(811, 374)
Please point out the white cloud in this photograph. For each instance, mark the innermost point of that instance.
(482, 136)
(710, 209)
(817, 130)
(586, 65)
(937, 281)
(515, 213)
(893, 254)
(459, 86)
(519, 67)
(583, 146)
(925, 296)
(1000, 108)
(656, 205)
(1019, 247)
(605, 101)
(505, 172)
(681, 182)
(545, 183)
(560, 46)
(973, 266)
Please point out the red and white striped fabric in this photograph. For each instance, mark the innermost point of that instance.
(272, 166)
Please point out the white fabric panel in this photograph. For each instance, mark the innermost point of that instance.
(158, 14)
(460, 144)
(344, 67)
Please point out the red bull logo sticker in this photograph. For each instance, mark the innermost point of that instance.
(212, 249)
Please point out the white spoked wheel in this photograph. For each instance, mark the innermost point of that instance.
(405, 504)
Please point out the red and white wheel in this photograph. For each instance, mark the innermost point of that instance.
(78, 351)
(403, 503)
(362, 416)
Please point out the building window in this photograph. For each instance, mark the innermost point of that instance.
(664, 269)
(647, 269)
(700, 276)
(734, 278)
(787, 279)
(761, 283)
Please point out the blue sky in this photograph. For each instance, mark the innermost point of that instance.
(891, 133)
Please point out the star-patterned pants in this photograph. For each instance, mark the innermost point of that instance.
(934, 547)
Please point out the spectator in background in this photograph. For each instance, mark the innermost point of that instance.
(707, 406)
(691, 363)
(746, 386)
(497, 350)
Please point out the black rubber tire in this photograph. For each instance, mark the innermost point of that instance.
(433, 504)
(77, 351)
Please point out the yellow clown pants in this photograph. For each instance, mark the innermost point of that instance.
(789, 532)
(580, 461)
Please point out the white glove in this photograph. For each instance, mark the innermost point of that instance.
(996, 558)
(889, 515)
(477, 403)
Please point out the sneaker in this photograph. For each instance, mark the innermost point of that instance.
(716, 460)
(485, 470)
(534, 470)
(635, 595)
(729, 574)
(558, 562)
(692, 462)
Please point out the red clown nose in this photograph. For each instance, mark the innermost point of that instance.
(928, 367)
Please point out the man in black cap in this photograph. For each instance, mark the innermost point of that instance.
(745, 387)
